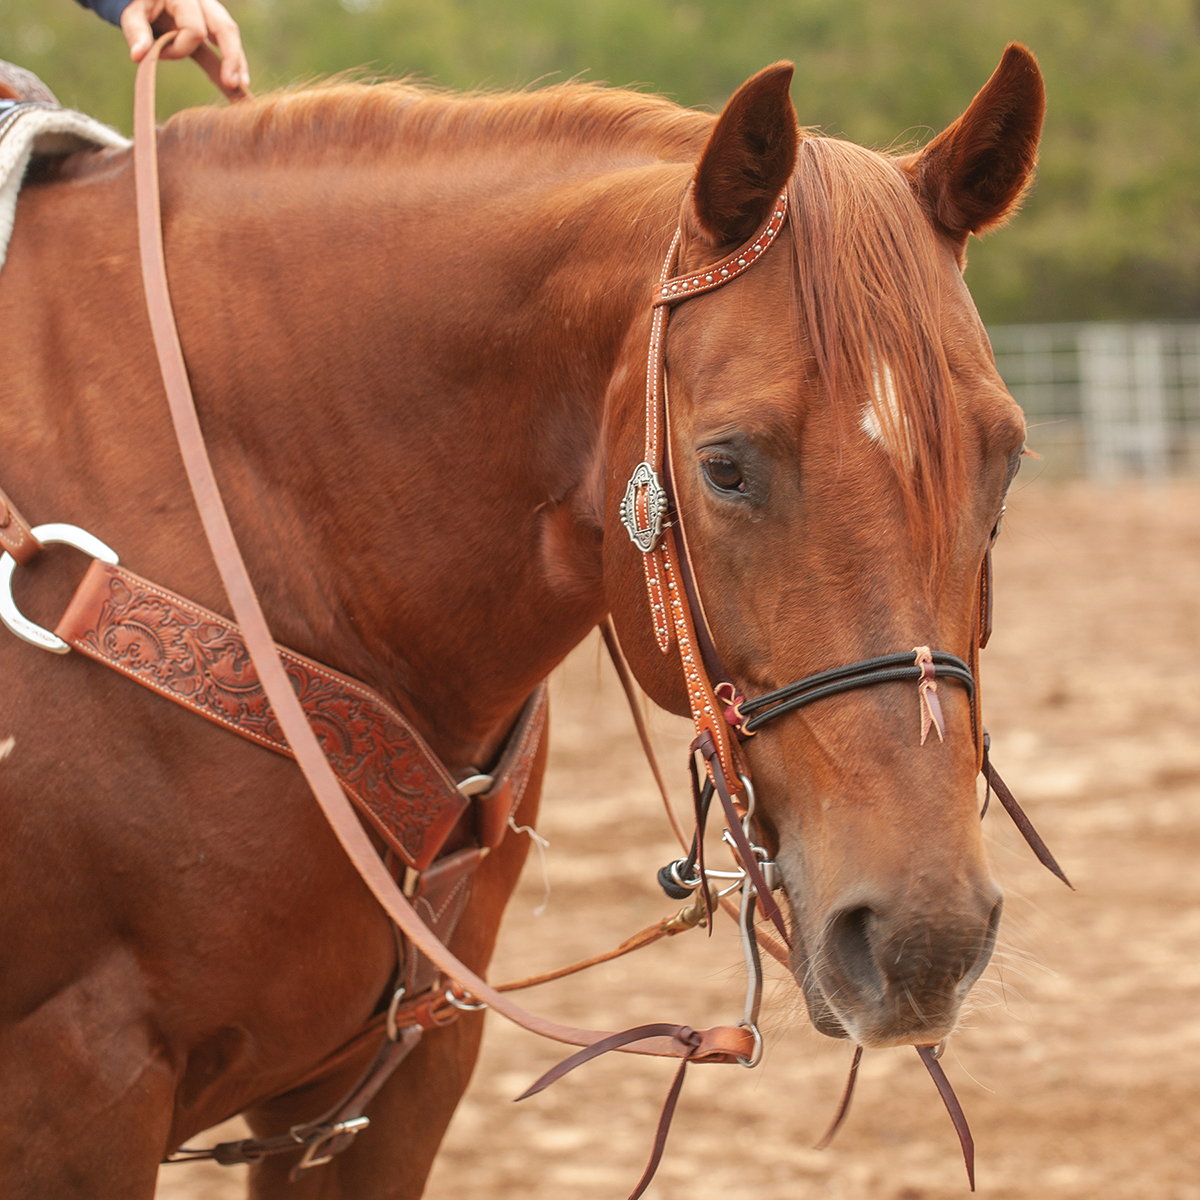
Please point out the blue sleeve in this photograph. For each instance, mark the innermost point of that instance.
(110, 10)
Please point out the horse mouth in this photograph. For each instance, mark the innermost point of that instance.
(849, 996)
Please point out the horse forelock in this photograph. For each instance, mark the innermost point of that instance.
(869, 301)
(351, 116)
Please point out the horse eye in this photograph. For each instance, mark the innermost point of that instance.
(724, 474)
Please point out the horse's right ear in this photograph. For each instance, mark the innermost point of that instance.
(749, 158)
(972, 176)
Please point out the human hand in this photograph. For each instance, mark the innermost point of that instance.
(199, 21)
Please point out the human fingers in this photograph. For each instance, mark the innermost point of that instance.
(188, 17)
(136, 23)
(223, 29)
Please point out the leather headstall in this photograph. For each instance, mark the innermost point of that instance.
(721, 715)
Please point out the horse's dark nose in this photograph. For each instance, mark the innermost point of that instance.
(895, 972)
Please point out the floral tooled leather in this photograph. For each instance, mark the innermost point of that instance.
(199, 660)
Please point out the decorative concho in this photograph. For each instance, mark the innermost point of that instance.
(644, 537)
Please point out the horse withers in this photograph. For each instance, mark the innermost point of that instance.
(417, 328)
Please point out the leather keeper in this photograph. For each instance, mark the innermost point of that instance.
(441, 877)
(724, 1044)
(16, 535)
(492, 810)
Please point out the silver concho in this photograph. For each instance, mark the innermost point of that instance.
(645, 538)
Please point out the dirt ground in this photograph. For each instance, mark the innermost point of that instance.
(1079, 1061)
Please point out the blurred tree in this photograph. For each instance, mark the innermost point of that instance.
(1112, 229)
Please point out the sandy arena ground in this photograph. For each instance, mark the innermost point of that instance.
(1079, 1063)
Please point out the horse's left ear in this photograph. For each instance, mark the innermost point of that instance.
(749, 158)
(972, 176)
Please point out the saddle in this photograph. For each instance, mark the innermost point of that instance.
(34, 125)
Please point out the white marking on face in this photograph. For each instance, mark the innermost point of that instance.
(883, 387)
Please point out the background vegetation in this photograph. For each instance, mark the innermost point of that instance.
(1112, 230)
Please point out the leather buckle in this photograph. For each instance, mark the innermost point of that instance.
(322, 1138)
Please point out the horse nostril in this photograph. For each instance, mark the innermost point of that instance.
(849, 950)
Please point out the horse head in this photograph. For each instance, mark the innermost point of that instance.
(840, 445)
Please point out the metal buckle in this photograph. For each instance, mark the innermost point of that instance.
(645, 538)
(393, 1031)
(467, 1002)
(10, 615)
(322, 1139)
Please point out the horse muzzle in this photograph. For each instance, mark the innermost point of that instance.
(883, 973)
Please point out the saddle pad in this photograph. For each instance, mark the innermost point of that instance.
(29, 130)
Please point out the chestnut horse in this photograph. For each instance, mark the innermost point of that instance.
(416, 326)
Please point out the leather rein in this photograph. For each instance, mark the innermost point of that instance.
(286, 692)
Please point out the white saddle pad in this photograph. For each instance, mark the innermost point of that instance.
(33, 130)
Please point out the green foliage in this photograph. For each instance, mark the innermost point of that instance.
(1111, 230)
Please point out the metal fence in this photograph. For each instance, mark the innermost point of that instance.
(1109, 401)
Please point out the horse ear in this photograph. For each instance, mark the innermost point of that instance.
(972, 176)
(7, 92)
(749, 158)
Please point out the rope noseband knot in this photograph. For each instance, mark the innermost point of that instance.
(931, 706)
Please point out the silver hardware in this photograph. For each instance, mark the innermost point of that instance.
(685, 883)
(53, 534)
(412, 879)
(645, 539)
(767, 865)
(755, 1058)
(754, 976)
(938, 1050)
(351, 1126)
(473, 785)
(393, 1031)
(467, 1004)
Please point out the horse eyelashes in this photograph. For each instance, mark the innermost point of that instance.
(724, 474)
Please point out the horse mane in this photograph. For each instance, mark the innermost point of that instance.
(869, 300)
(866, 262)
(338, 116)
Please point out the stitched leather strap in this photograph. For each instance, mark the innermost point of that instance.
(198, 659)
(261, 647)
(16, 536)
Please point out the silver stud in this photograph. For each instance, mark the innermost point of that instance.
(724, 272)
(741, 262)
(708, 279)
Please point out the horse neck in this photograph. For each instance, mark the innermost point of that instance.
(418, 408)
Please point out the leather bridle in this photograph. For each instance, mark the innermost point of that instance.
(718, 711)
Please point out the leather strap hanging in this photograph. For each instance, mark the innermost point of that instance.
(719, 1044)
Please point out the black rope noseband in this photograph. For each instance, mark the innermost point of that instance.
(885, 669)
